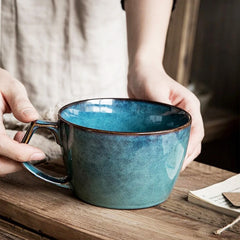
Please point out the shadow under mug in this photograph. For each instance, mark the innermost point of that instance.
(119, 153)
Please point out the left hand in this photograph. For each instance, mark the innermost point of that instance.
(146, 81)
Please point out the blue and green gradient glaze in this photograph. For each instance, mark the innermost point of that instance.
(122, 153)
(119, 153)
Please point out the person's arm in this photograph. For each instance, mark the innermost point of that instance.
(13, 98)
(147, 25)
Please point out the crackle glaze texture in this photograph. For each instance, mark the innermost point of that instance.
(118, 152)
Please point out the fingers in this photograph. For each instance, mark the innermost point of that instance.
(186, 100)
(13, 98)
(9, 166)
(194, 146)
(19, 152)
(16, 97)
(19, 136)
(196, 135)
(13, 153)
(156, 85)
(2, 128)
(190, 157)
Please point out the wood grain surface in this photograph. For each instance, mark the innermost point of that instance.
(11, 231)
(55, 212)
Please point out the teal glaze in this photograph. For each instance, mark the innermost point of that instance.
(124, 116)
(122, 153)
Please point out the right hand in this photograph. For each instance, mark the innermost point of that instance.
(151, 82)
(13, 98)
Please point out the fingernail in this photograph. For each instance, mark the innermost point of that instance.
(28, 112)
(37, 156)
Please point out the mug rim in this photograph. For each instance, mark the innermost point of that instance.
(160, 132)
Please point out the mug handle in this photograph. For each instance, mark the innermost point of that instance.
(54, 128)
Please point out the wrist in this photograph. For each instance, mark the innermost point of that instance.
(145, 60)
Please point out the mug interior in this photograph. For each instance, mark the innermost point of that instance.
(124, 115)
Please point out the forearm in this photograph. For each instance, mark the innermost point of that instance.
(147, 24)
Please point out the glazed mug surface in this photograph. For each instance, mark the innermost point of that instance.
(119, 153)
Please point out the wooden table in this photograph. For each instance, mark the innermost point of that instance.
(33, 209)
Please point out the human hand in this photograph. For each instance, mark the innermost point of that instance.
(13, 98)
(146, 81)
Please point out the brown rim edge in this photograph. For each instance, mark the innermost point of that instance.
(125, 133)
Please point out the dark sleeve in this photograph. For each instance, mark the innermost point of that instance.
(122, 3)
(174, 3)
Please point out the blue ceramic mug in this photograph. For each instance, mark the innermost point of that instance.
(119, 153)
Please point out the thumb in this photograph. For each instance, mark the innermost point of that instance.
(19, 103)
